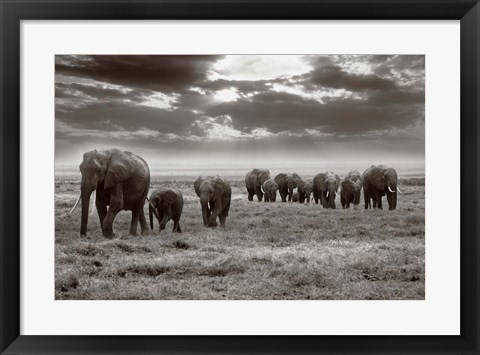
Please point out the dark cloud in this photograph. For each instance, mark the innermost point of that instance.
(282, 111)
(167, 73)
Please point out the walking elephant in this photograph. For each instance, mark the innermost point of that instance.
(286, 184)
(379, 181)
(270, 188)
(308, 186)
(325, 187)
(304, 189)
(350, 193)
(295, 196)
(254, 181)
(120, 181)
(215, 195)
(166, 205)
(351, 189)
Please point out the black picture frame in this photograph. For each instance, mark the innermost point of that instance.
(13, 12)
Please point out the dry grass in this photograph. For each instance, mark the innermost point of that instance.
(267, 251)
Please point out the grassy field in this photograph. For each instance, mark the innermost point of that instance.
(267, 251)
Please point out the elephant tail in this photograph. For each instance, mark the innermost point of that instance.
(151, 212)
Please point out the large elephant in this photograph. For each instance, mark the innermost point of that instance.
(325, 187)
(286, 184)
(254, 181)
(166, 204)
(215, 195)
(379, 181)
(270, 188)
(121, 180)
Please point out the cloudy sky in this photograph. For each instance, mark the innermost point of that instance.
(235, 109)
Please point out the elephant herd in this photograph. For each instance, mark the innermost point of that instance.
(120, 180)
(376, 181)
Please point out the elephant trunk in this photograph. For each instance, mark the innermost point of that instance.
(290, 193)
(150, 212)
(85, 196)
(166, 217)
(331, 197)
(205, 210)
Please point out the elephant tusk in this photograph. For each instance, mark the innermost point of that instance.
(261, 189)
(327, 194)
(208, 204)
(76, 204)
(398, 190)
(93, 202)
(390, 189)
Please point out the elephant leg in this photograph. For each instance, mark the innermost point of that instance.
(134, 223)
(390, 200)
(143, 222)
(379, 201)
(223, 218)
(250, 194)
(223, 215)
(101, 206)
(366, 199)
(323, 199)
(259, 193)
(116, 205)
(176, 226)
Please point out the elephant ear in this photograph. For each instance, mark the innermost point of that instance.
(196, 185)
(118, 170)
(219, 188)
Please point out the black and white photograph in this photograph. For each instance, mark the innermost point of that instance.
(240, 177)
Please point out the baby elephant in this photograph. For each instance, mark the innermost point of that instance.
(166, 204)
(350, 193)
(270, 188)
(308, 190)
(295, 196)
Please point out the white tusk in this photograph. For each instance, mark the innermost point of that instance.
(261, 188)
(208, 204)
(390, 189)
(398, 190)
(93, 202)
(76, 204)
(327, 194)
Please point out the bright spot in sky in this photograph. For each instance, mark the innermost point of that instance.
(259, 67)
(227, 95)
(160, 100)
